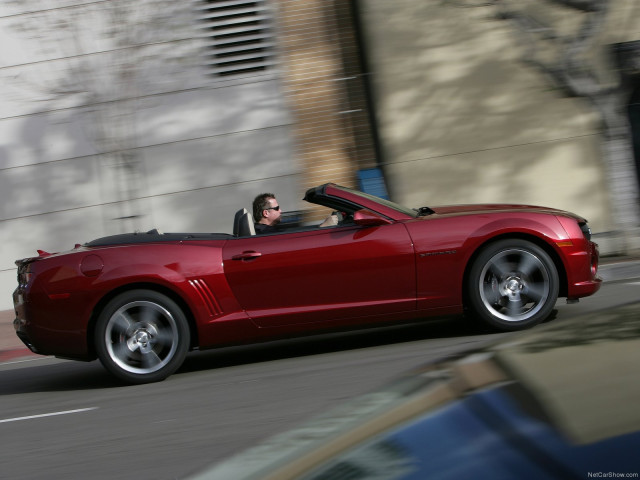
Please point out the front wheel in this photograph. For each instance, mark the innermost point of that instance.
(141, 336)
(513, 285)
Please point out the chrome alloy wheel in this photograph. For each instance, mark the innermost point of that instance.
(141, 337)
(514, 285)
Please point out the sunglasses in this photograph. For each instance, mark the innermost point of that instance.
(277, 209)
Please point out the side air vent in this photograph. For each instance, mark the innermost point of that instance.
(238, 34)
(207, 296)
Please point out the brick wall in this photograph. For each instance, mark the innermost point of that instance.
(323, 81)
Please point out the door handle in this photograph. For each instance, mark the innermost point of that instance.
(249, 255)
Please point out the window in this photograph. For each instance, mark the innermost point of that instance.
(238, 35)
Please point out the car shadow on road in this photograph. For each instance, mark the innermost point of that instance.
(55, 377)
(77, 376)
(451, 327)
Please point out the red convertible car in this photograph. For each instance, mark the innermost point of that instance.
(139, 302)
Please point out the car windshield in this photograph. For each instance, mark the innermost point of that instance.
(387, 203)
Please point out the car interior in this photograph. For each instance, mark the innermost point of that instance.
(243, 223)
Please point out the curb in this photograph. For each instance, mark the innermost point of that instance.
(15, 353)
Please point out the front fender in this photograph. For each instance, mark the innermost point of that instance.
(547, 229)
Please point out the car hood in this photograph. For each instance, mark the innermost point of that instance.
(475, 209)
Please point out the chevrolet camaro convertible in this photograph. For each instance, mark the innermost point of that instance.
(139, 302)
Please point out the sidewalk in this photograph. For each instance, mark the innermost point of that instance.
(11, 347)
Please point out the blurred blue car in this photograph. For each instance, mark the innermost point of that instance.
(558, 402)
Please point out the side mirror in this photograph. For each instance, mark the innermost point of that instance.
(367, 218)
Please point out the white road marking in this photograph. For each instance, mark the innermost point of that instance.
(43, 415)
(22, 361)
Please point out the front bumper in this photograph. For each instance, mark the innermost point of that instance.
(583, 278)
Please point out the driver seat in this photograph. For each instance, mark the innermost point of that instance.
(245, 225)
(236, 221)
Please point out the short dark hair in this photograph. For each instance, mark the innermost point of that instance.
(260, 204)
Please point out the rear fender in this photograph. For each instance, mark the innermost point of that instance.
(196, 282)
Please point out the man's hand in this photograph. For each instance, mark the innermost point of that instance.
(332, 220)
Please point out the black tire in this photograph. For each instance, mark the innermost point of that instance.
(513, 285)
(141, 336)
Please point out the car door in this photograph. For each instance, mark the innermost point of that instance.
(322, 274)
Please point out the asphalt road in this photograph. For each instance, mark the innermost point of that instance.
(70, 420)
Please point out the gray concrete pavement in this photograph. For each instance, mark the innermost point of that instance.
(611, 270)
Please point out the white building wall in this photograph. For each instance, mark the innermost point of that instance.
(203, 146)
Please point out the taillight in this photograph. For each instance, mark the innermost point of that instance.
(25, 275)
(24, 278)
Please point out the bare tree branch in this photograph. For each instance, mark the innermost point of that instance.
(108, 54)
(572, 72)
(583, 5)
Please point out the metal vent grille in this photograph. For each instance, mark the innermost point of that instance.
(238, 34)
(206, 296)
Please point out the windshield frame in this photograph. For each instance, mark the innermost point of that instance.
(409, 212)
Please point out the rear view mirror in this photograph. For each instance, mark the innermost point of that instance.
(367, 218)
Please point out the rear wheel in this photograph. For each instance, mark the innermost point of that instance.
(142, 336)
(513, 285)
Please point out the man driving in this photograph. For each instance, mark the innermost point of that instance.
(266, 213)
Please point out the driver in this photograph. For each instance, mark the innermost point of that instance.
(267, 215)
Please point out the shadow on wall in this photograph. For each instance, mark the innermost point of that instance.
(58, 188)
(464, 120)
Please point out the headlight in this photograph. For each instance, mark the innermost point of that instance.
(586, 231)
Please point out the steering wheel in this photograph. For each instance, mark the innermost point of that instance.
(343, 217)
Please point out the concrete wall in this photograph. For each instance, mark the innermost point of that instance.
(202, 146)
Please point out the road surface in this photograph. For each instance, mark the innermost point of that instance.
(69, 420)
